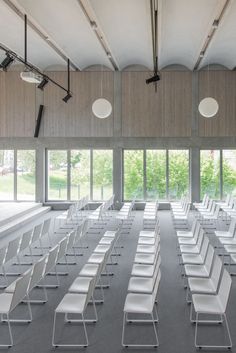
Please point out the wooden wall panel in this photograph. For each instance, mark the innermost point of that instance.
(75, 119)
(222, 86)
(165, 113)
(18, 108)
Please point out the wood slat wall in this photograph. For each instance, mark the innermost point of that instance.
(166, 112)
(76, 119)
(17, 110)
(222, 86)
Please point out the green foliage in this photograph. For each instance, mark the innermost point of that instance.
(210, 174)
(133, 174)
(156, 175)
(178, 174)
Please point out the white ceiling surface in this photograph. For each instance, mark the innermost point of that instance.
(12, 36)
(183, 26)
(127, 27)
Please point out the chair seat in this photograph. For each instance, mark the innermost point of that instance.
(205, 303)
(187, 241)
(89, 270)
(96, 258)
(189, 249)
(146, 241)
(72, 303)
(222, 234)
(101, 249)
(180, 217)
(106, 241)
(228, 241)
(80, 285)
(110, 234)
(5, 302)
(142, 270)
(182, 233)
(145, 259)
(196, 271)
(192, 259)
(138, 303)
(230, 249)
(140, 285)
(201, 285)
(148, 249)
(147, 233)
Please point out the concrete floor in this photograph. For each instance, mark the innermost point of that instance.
(175, 332)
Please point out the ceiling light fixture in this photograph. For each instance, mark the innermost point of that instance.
(6, 62)
(154, 78)
(93, 25)
(101, 107)
(30, 77)
(43, 83)
(68, 95)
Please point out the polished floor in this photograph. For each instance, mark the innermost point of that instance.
(176, 334)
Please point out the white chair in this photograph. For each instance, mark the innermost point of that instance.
(202, 271)
(206, 285)
(193, 249)
(210, 304)
(227, 234)
(191, 240)
(187, 233)
(197, 259)
(143, 270)
(143, 304)
(147, 258)
(50, 265)
(25, 242)
(9, 301)
(10, 253)
(75, 304)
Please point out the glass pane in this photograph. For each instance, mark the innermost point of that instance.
(26, 175)
(57, 175)
(133, 174)
(210, 173)
(80, 174)
(229, 172)
(178, 174)
(156, 174)
(6, 175)
(102, 174)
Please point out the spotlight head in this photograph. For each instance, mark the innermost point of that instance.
(6, 62)
(43, 83)
(67, 97)
(152, 79)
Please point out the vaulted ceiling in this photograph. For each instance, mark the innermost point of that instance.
(118, 33)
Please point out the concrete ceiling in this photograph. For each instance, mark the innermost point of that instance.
(123, 30)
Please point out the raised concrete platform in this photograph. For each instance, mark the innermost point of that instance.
(14, 215)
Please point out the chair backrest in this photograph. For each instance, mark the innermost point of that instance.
(62, 248)
(204, 248)
(204, 199)
(213, 207)
(2, 254)
(197, 230)
(156, 286)
(12, 249)
(232, 226)
(209, 258)
(71, 239)
(37, 232)
(224, 289)
(78, 232)
(21, 289)
(194, 225)
(37, 272)
(216, 271)
(227, 200)
(25, 240)
(85, 227)
(187, 209)
(92, 284)
(46, 226)
(200, 238)
(217, 211)
(52, 259)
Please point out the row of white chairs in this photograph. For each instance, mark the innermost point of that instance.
(17, 247)
(143, 286)
(208, 283)
(150, 213)
(82, 290)
(180, 212)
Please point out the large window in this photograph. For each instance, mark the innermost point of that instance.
(229, 172)
(133, 174)
(156, 174)
(178, 174)
(210, 173)
(73, 174)
(57, 175)
(102, 174)
(26, 175)
(6, 175)
(80, 174)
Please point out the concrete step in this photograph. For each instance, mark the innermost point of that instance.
(23, 220)
(12, 211)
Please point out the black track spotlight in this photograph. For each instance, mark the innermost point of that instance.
(67, 97)
(43, 83)
(6, 62)
(152, 79)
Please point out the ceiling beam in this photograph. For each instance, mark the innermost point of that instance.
(211, 34)
(99, 33)
(42, 35)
